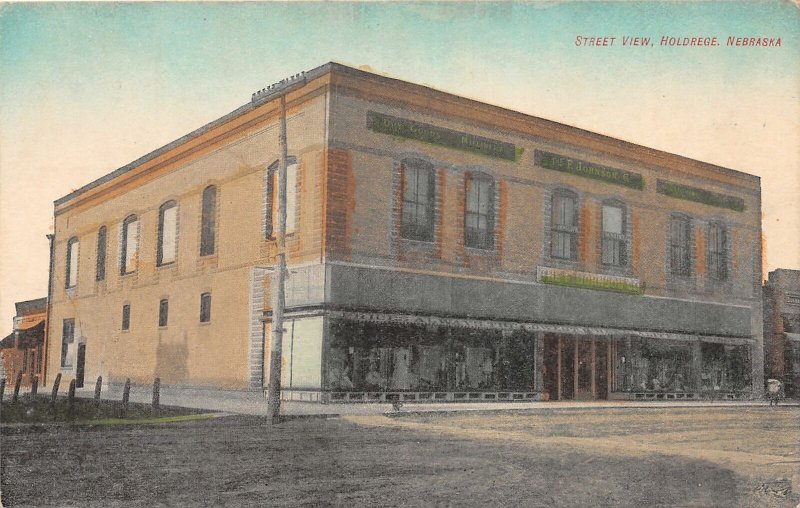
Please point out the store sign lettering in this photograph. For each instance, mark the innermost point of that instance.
(427, 133)
(578, 167)
(679, 191)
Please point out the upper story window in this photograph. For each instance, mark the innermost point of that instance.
(167, 246)
(73, 250)
(102, 244)
(615, 247)
(208, 221)
(291, 196)
(163, 312)
(67, 338)
(126, 317)
(680, 246)
(129, 248)
(271, 199)
(479, 211)
(205, 307)
(564, 226)
(717, 251)
(419, 193)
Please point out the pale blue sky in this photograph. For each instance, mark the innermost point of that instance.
(86, 88)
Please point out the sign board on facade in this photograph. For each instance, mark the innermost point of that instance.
(679, 191)
(578, 167)
(427, 133)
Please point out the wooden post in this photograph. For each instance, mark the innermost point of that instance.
(126, 394)
(71, 399)
(575, 367)
(97, 388)
(2, 388)
(156, 390)
(55, 389)
(610, 369)
(16, 387)
(594, 367)
(276, 339)
(558, 370)
(34, 386)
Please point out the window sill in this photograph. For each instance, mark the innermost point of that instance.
(171, 264)
(204, 323)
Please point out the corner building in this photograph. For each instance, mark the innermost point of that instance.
(439, 248)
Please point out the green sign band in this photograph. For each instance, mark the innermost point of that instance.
(427, 133)
(584, 282)
(578, 167)
(679, 191)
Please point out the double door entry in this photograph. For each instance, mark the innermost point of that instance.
(576, 368)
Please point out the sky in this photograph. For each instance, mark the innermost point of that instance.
(86, 88)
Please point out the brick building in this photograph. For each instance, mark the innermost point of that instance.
(439, 249)
(23, 349)
(782, 328)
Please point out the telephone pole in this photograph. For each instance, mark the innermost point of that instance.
(276, 339)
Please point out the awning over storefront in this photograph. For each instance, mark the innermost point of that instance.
(30, 337)
(31, 325)
(794, 337)
(423, 320)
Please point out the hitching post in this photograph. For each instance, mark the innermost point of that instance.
(71, 399)
(276, 342)
(98, 387)
(126, 395)
(156, 392)
(2, 388)
(16, 387)
(34, 386)
(54, 395)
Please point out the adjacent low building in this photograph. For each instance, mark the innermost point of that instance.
(782, 328)
(22, 351)
(439, 249)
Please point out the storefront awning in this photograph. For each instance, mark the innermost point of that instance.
(452, 322)
(794, 337)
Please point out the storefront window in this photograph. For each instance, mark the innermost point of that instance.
(653, 367)
(387, 357)
(725, 368)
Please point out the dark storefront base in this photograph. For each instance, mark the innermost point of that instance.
(367, 361)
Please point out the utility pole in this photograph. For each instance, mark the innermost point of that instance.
(276, 340)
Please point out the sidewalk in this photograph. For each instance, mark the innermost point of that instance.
(254, 403)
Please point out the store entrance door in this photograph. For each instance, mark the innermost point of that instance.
(575, 368)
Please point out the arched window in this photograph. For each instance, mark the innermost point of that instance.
(419, 196)
(167, 246)
(615, 244)
(73, 249)
(680, 245)
(479, 211)
(208, 220)
(717, 251)
(564, 225)
(102, 242)
(129, 249)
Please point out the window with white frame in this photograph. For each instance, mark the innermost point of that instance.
(129, 248)
(73, 251)
(564, 225)
(614, 248)
(67, 338)
(167, 246)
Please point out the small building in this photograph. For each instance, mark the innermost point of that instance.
(439, 248)
(782, 328)
(22, 351)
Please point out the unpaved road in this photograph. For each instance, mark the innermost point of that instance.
(619, 457)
